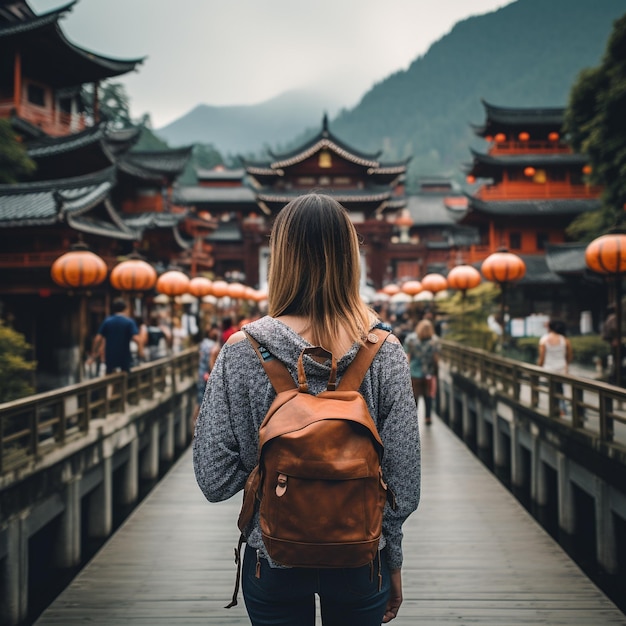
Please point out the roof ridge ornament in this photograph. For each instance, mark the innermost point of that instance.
(325, 125)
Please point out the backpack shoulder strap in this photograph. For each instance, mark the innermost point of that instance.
(276, 371)
(353, 376)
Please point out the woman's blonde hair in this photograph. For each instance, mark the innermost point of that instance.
(424, 329)
(314, 270)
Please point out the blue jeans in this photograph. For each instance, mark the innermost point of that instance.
(287, 596)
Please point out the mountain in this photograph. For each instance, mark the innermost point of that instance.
(527, 53)
(249, 129)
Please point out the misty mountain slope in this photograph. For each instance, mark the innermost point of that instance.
(526, 54)
(248, 128)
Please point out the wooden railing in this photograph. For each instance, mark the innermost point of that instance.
(34, 426)
(581, 404)
(516, 190)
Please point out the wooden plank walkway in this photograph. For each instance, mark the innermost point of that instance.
(473, 555)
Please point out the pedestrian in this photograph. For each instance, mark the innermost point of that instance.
(422, 350)
(116, 333)
(159, 337)
(555, 355)
(208, 350)
(314, 300)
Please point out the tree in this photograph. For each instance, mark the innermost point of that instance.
(113, 103)
(14, 160)
(595, 122)
(15, 368)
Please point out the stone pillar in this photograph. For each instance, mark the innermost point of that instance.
(167, 453)
(14, 574)
(466, 422)
(538, 486)
(150, 459)
(606, 545)
(130, 481)
(482, 442)
(517, 468)
(567, 514)
(68, 541)
(100, 520)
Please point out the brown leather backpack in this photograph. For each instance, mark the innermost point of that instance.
(318, 483)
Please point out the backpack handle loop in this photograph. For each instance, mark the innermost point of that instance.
(303, 386)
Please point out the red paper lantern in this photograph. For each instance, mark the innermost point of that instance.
(434, 282)
(553, 136)
(133, 275)
(173, 283)
(587, 169)
(503, 267)
(500, 138)
(523, 136)
(78, 268)
(470, 179)
(607, 254)
(412, 287)
(463, 277)
(200, 287)
(529, 171)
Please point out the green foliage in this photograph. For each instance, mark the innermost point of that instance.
(113, 103)
(14, 161)
(204, 156)
(516, 56)
(147, 139)
(15, 368)
(596, 125)
(467, 317)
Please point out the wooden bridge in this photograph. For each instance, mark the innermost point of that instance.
(473, 555)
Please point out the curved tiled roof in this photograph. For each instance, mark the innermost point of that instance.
(40, 37)
(525, 159)
(566, 258)
(154, 165)
(199, 195)
(53, 146)
(546, 206)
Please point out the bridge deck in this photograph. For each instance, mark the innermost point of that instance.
(472, 555)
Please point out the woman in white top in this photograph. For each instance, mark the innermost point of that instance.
(555, 355)
(555, 350)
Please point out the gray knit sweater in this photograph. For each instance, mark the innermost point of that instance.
(238, 395)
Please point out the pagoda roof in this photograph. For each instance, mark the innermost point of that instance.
(49, 146)
(566, 258)
(546, 206)
(538, 272)
(222, 174)
(186, 195)
(324, 139)
(429, 210)
(153, 220)
(155, 165)
(121, 140)
(82, 202)
(568, 159)
(528, 117)
(348, 196)
(48, 54)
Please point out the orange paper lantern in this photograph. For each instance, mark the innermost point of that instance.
(236, 291)
(412, 287)
(523, 136)
(553, 136)
(529, 171)
(503, 267)
(463, 277)
(391, 289)
(78, 268)
(220, 288)
(607, 254)
(173, 283)
(133, 275)
(500, 138)
(200, 287)
(434, 282)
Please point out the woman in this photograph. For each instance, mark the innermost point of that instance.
(422, 352)
(313, 300)
(555, 354)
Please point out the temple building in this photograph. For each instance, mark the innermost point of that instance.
(530, 185)
(89, 186)
(398, 241)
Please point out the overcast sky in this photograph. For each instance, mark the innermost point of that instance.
(248, 51)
